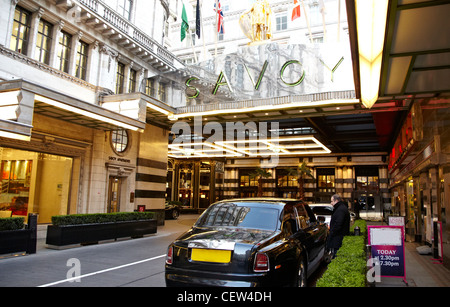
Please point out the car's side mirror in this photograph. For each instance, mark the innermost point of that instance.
(321, 219)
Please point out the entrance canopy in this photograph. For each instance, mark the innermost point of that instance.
(20, 99)
(274, 83)
(266, 73)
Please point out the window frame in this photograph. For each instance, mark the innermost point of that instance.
(124, 8)
(281, 21)
(120, 133)
(44, 42)
(120, 78)
(82, 57)
(65, 49)
(132, 81)
(22, 36)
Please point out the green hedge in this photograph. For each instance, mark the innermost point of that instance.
(97, 218)
(348, 269)
(362, 224)
(12, 223)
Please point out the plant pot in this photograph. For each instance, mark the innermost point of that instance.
(92, 233)
(13, 241)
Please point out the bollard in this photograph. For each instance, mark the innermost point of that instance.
(357, 231)
(32, 240)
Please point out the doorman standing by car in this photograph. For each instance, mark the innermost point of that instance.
(339, 224)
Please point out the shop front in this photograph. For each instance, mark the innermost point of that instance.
(76, 158)
(34, 182)
(420, 175)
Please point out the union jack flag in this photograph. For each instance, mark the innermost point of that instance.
(220, 27)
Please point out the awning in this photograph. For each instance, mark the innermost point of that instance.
(21, 99)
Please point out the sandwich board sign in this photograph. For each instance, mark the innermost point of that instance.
(388, 249)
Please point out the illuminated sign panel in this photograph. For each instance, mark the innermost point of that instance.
(267, 71)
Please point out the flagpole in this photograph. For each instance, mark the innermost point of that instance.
(339, 22)
(203, 31)
(217, 27)
(307, 22)
(322, 9)
(189, 33)
(193, 49)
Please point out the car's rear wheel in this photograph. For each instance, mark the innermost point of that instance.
(300, 280)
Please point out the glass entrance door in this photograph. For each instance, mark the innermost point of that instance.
(115, 184)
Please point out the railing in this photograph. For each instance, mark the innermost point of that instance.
(342, 95)
(117, 20)
(122, 24)
(92, 4)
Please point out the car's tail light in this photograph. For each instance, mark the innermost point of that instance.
(169, 256)
(261, 263)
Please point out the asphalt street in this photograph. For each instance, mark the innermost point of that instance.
(127, 263)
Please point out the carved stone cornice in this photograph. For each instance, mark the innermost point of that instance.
(44, 67)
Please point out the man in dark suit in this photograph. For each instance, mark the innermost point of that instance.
(339, 225)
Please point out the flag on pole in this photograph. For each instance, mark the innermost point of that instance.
(198, 19)
(220, 27)
(296, 10)
(184, 23)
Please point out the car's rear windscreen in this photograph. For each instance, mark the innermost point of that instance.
(241, 215)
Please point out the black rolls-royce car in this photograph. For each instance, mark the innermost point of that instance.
(248, 243)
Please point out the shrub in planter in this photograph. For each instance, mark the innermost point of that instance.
(352, 247)
(362, 224)
(348, 269)
(91, 228)
(11, 223)
(13, 237)
(99, 218)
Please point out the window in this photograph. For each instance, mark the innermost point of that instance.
(316, 15)
(367, 182)
(19, 178)
(326, 183)
(43, 42)
(82, 60)
(366, 178)
(119, 140)
(326, 180)
(289, 226)
(124, 8)
(248, 181)
(21, 31)
(120, 78)
(303, 219)
(281, 22)
(162, 92)
(149, 88)
(318, 39)
(240, 214)
(286, 180)
(132, 81)
(65, 42)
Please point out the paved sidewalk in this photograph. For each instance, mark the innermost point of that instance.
(420, 271)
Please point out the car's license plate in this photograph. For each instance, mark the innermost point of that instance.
(211, 255)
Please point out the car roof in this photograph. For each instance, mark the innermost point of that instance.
(321, 205)
(272, 200)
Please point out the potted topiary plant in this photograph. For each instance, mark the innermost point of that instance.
(92, 228)
(15, 237)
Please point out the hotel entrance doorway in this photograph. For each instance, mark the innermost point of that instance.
(115, 186)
